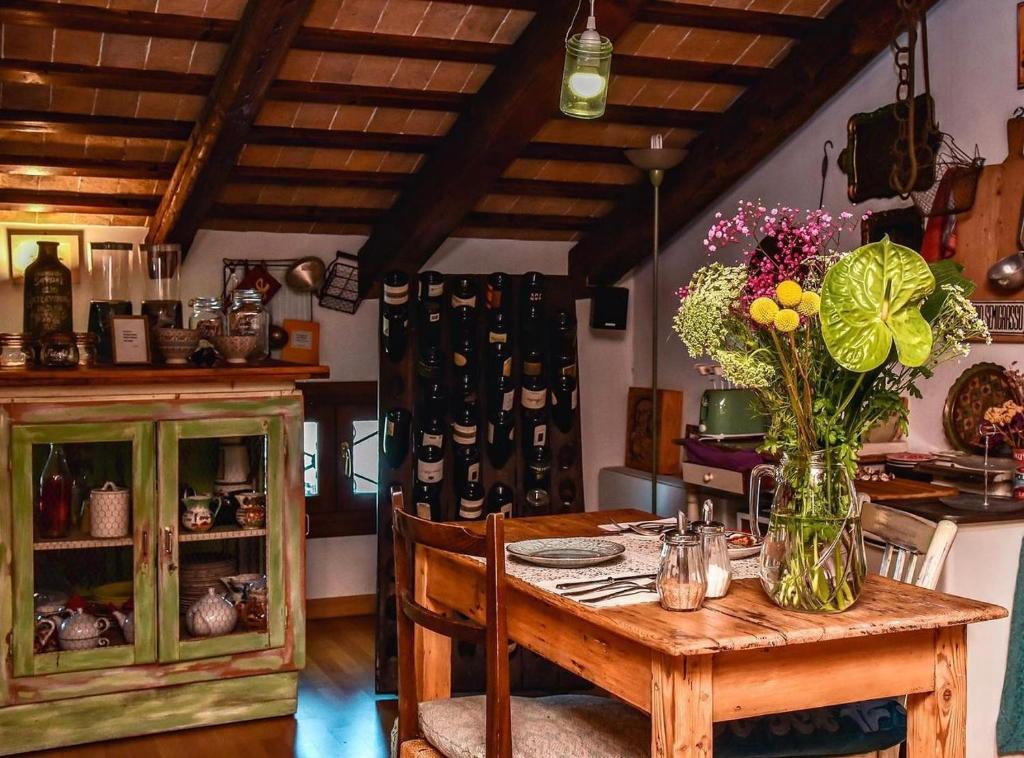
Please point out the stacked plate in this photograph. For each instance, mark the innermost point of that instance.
(200, 574)
(907, 461)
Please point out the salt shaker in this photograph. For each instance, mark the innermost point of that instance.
(716, 552)
(681, 580)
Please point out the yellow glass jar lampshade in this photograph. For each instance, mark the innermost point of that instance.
(588, 62)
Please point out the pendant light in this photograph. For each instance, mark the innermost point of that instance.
(588, 62)
(655, 160)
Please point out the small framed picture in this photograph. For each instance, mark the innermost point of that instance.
(130, 339)
(303, 342)
(22, 249)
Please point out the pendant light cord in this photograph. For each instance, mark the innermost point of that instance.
(591, 19)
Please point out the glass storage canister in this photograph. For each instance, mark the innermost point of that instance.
(207, 317)
(161, 302)
(248, 316)
(682, 580)
(15, 351)
(87, 344)
(58, 350)
(110, 269)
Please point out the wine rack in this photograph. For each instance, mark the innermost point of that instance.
(400, 386)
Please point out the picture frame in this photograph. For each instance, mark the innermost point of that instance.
(22, 250)
(130, 340)
(303, 342)
(1020, 45)
(639, 412)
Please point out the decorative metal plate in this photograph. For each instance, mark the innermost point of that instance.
(976, 390)
(574, 552)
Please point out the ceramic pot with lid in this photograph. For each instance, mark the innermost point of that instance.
(211, 615)
(82, 631)
(109, 511)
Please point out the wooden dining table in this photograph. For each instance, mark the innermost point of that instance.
(736, 657)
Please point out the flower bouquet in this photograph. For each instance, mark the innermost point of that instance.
(1007, 421)
(829, 342)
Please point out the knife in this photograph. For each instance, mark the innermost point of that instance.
(570, 585)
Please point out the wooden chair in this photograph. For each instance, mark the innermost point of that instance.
(563, 725)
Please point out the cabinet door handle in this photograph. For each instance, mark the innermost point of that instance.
(708, 476)
(346, 460)
(144, 558)
(169, 547)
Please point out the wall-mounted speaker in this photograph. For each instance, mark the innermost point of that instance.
(608, 307)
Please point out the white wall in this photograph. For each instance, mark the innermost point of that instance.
(973, 44)
(348, 344)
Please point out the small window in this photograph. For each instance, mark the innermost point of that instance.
(311, 457)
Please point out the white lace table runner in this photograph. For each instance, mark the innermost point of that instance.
(641, 557)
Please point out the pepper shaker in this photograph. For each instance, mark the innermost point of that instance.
(716, 552)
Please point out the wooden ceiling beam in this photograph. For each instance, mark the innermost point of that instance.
(759, 121)
(102, 77)
(57, 165)
(341, 139)
(498, 123)
(261, 42)
(684, 70)
(51, 122)
(725, 19)
(41, 201)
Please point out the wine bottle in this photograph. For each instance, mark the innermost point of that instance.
(538, 481)
(430, 287)
(564, 398)
(501, 430)
(464, 293)
(394, 322)
(471, 501)
(395, 440)
(464, 425)
(430, 433)
(531, 319)
(426, 498)
(467, 465)
(497, 284)
(47, 301)
(429, 464)
(53, 509)
(533, 398)
(499, 499)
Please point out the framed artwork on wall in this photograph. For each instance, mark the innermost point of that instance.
(639, 416)
(22, 250)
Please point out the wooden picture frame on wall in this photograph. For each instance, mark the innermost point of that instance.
(130, 340)
(638, 429)
(22, 250)
(1020, 45)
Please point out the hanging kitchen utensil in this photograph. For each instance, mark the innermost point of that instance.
(956, 181)
(891, 151)
(341, 285)
(824, 171)
(306, 274)
(1007, 274)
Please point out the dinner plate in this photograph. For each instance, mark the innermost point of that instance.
(565, 553)
(736, 552)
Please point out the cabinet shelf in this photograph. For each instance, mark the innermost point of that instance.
(81, 542)
(221, 533)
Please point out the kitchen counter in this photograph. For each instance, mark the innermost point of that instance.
(934, 511)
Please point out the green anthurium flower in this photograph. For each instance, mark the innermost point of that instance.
(871, 299)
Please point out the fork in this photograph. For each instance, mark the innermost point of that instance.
(654, 530)
(614, 584)
(636, 588)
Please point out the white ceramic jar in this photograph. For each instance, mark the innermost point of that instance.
(109, 511)
(211, 616)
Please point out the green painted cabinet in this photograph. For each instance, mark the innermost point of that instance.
(160, 445)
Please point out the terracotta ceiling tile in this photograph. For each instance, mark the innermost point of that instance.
(148, 6)
(124, 50)
(277, 113)
(771, 50)
(157, 105)
(324, 13)
(232, 9)
(72, 46)
(206, 57)
(442, 20)
(335, 67)
(239, 193)
(117, 103)
(389, 120)
(19, 181)
(26, 96)
(361, 15)
(314, 116)
(299, 65)
(496, 204)
(401, 16)
(481, 23)
(258, 155)
(146, 150)
(364, 160)
(375, 70)
(477, 77)
(352, 118)
(34, 43)
(100, 184)
(189, 107)
(458, 77)
(412, 73)
(297, 157)
(185, 7)
(330, 159)
(512, 26)
(524, 168)
(404, 163)
(719, 97)
(277, 195)
(632, 41)
(434, 123)
(170, 54)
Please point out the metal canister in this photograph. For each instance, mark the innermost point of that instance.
(15, 350)
(87, 344)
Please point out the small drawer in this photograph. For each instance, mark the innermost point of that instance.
(713, 478)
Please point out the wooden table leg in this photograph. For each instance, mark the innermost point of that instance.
(433, 651)
(681, 706)
(937, 721)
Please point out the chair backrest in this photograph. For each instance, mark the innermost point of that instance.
(410, 532)
(914, 548)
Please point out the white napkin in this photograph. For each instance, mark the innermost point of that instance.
(615, 527)
(631, 599)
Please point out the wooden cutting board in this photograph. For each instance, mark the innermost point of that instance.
(903, 490)
(989, 231)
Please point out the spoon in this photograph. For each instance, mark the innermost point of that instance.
(1007, 273)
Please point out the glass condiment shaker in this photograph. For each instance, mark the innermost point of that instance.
(717, 565)
(681, 581)
(248, 316)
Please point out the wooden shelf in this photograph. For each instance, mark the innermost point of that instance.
(81, 542)
(221, 533)
(277, 371)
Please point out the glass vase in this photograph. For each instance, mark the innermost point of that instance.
(813, 555)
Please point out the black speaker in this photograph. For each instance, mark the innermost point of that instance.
(608, 307)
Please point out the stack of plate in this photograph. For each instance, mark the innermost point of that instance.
(202, 573)
(907, 461)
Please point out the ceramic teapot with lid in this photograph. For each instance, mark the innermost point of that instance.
(82, 631)
(211, 615)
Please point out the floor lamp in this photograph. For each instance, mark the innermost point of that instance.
(655, 160)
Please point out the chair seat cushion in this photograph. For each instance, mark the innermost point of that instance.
(567, 726)
(836, 730)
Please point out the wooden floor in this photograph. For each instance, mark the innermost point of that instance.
(338, 717)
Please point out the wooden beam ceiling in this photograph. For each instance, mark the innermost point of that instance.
(758, 122)
(725, 19)
(512, 105)
(249, 66)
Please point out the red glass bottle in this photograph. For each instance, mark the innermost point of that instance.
(53, 509)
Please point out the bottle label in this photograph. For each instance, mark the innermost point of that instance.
(463, 435)
(569, 370)
(508, 400)
(460, 301)
(390, 429)
(433, 440)
(495, 337)
(459, 359)
(471, 509)
(423, 511)
(575, 398)
(429, 471)
(385, 327)
(506, 367)
(533, 399)
(435, 290)
(540, 435)
(396, 295)
(435, 317)
(473, 473)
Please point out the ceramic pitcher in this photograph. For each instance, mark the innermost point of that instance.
(197, 516)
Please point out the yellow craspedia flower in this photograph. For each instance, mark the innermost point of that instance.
(788, 293)
(786, 320)
(810, 304)
(763, 310)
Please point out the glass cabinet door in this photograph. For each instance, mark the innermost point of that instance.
(83, 546)
(222, 508)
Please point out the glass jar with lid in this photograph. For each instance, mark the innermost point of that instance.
(248, 316)
(207, 317)
(161, 303)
